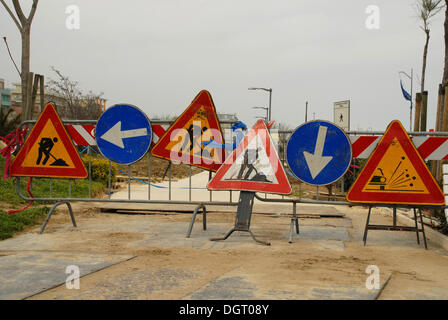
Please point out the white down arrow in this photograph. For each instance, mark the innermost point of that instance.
(316, 162)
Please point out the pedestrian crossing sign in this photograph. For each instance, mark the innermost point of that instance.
(48, 151)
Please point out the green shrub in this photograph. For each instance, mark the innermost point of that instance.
(100, 170)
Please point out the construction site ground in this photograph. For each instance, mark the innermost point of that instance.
(144, 253)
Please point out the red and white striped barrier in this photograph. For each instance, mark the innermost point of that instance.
(430, 148)
(84, 135)
(158, 130)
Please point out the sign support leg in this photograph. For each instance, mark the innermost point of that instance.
(243, 217)
(193, 218)
(394, 216)
(423, 229)
(50, 213)
(294, 221)
(396, 227)
(367, 226)
(416, 225)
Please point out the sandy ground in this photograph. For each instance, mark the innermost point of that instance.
(327, 260)
(305, 268)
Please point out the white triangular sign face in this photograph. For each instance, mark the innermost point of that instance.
(253, 166)
(261, 169)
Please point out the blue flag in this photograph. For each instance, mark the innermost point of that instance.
(406, 95)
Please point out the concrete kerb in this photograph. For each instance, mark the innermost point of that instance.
(435, 236)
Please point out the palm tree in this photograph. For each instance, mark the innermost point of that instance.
(426, 10)
(445, 27)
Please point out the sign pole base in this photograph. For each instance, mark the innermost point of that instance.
(243, 216)
(204, 219)
(70, 211)
(394, 227)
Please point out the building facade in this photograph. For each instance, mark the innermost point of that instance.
(5, 96)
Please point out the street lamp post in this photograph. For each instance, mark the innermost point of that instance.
(270, 99)
(411, 77)
(267, 114)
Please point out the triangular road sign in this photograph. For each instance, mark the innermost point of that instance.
(48, 151)
(253, 166)
(396, 173)
(182, 142)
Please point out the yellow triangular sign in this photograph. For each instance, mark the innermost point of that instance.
(48, 151)
(395, 173)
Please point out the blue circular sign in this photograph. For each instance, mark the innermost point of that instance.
(319, 152)
(123, 134)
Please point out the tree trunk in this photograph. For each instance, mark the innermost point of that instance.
(25, 66)
(425, 54)
(23, 23)
(445, 69)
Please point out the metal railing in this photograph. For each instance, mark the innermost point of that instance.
(90, 198)
(284, 135)
(282, 142)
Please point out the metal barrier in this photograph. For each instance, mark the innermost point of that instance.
(90, 198)
(283, 135)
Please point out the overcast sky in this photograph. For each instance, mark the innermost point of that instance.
(159, 54)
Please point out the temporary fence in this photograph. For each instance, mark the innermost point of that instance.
(431, 145)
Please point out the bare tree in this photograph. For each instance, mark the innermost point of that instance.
(73, 103)
(68, 90)
(23, 23)
(426, 10)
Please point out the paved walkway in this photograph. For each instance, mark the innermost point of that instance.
(180, 191)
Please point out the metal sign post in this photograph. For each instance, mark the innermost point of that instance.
(243, 217)
(395, 227)
(254, 166)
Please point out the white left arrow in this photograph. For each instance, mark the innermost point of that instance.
(316, 162)
(115, 136)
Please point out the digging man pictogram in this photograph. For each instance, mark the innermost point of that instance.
(45, 147)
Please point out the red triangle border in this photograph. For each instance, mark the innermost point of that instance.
(396, 130)
(283, 186)
(79, 171)
(159, 149)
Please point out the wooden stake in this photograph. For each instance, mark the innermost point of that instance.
(424, 111)
(435, 165)
(34, 94)
(418, 105)
(42, 93)
(440, 107)
(445, 111)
